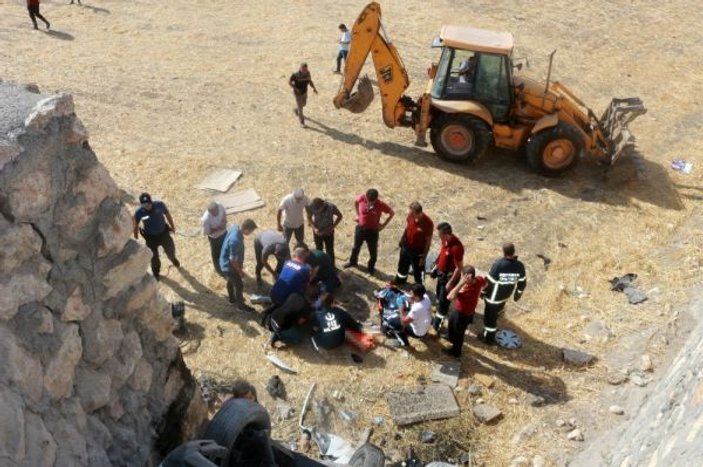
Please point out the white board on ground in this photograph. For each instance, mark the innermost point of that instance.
(220, 180)
(240, 201)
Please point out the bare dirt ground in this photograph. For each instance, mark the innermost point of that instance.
(169, 90)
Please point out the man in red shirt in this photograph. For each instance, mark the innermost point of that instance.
(33, 9)
(447, 270)
(465, 297)
(369, 210)
(414, 245)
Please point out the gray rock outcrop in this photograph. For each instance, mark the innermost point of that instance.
(89, 371)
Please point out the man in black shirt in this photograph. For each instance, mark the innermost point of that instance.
(299, 81)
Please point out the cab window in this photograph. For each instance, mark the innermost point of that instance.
(455, 75)
(492, 85)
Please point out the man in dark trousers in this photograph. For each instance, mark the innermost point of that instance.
(214, 222)
(332, 322)
(324, 217)
(232, 262)
(157, 233)
(266, 244)
(414, 244)
(33, 9)
(294, 277)
(465, 296)
(447, 270)
(369, 210)
(299, 81)
(506, 278)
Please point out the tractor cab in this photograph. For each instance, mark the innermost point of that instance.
(475, 65)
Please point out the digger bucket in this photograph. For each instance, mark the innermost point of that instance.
(362, 98)
(614, 123)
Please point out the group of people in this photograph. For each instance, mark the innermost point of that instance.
(306, 280)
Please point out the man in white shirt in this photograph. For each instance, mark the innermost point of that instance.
(215, 227)
(290, 216)
(417, 321)
(344, 43)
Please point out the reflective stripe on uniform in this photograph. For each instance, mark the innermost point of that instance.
(490, 329)
(400, 276)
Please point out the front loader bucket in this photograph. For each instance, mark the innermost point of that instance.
(614, 123)
(362, 98)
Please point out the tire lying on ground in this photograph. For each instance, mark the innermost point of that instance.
(197, 453)
(244, 428)
(367, 455)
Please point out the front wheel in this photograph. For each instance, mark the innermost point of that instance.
(555, 150)
(460, 138)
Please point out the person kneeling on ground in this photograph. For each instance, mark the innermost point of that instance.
(465, 297)
(323, 270)
(286, 321)
(332, 322)
(417, 321)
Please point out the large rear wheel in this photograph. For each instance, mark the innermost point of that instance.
(460, 138)
(555, 150)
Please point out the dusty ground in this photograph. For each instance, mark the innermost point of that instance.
(169, 90)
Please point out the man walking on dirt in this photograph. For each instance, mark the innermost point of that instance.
(232, 262)
(299, 81)
(506, 278)
(215, 227)
(414, 244)
(33, 9)
(344, 43)
(369, 210)
(155, 230)
(324, 216)
(447, 270)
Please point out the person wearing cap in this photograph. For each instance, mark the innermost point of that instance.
(153, 216)
(290, 216)
(299, 82)
(414, 244)
(331, 322)
(232, 261)
(369, 209)
(344, 43)
(324, 217)
(447, 270)
(267, 243)
(465, 296)
(215, 227)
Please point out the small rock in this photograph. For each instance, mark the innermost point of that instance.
(598, 331)
(575, 435)
(474, 389)
(486, 380)
(347, 415)
(524, 434)
(427, 437)
(285, 411)
(616, 378)
(646, 363)
(512, 400)
(534, 400)
(538, 461)
(616, 409)
(486, 413)
(640, 379)
(576, 357)
(337, 395)
(276, 388)
(560, 423)
(573, 422)
(378, 420)
(520, 461)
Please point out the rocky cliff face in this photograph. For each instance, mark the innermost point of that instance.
(89, 371)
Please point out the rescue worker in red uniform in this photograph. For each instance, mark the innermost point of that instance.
(447, 270)
(465, 296)
(506, 278)
(414, 244)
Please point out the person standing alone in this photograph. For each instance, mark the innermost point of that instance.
(215, 227)
(299, 81)
(369, 210)
(324, 216)
(344, 43)
(155, 230)
(232, 262)
(290, 217)
(33, 9)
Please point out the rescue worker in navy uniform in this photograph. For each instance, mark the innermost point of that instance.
(155, 230)
(506, 278)
(447, 271)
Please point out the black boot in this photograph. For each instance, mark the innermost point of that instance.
(488, 337)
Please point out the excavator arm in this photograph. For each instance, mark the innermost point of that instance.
(368, 38)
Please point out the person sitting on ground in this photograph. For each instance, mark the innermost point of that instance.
(323, 270)
(465, 297)
(286, 321)
(332, 322)
(416, 321)
(294, 277)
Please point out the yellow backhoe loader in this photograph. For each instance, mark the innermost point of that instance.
(474, 101)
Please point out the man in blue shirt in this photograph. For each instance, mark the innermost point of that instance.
(155, 230)
(294, 277)
(232, 259)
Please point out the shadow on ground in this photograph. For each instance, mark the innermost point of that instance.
(64, 36)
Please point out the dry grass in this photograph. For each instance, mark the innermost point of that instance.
(169, 90)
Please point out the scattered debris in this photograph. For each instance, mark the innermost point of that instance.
(616, 409)
(534, 400)
(446, 373)
(616, 378)
(547, 261)
(304, 442)
(560, 423)
(598, 331)
(178, 312)
(524, 434)
(220, 180)
(481, 218)
(378, 420)
(430, 402)
(520, 461)
(337, 395)
(333, 447)
(256, 299)
(474, 389)
(322, 410)
(682, 166)
(512, 401)
(562, 245)
(427, 437)
(285, 411)
(508, 339)
(576, 357)
(347, 415)
(640, 379)
(280, 364)
(486, 380)
(575, 435)
(305, 407)
(356, 358)
(646, 364)
(625, 284)
(486, 413)
(276, 388)
(240, 201)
